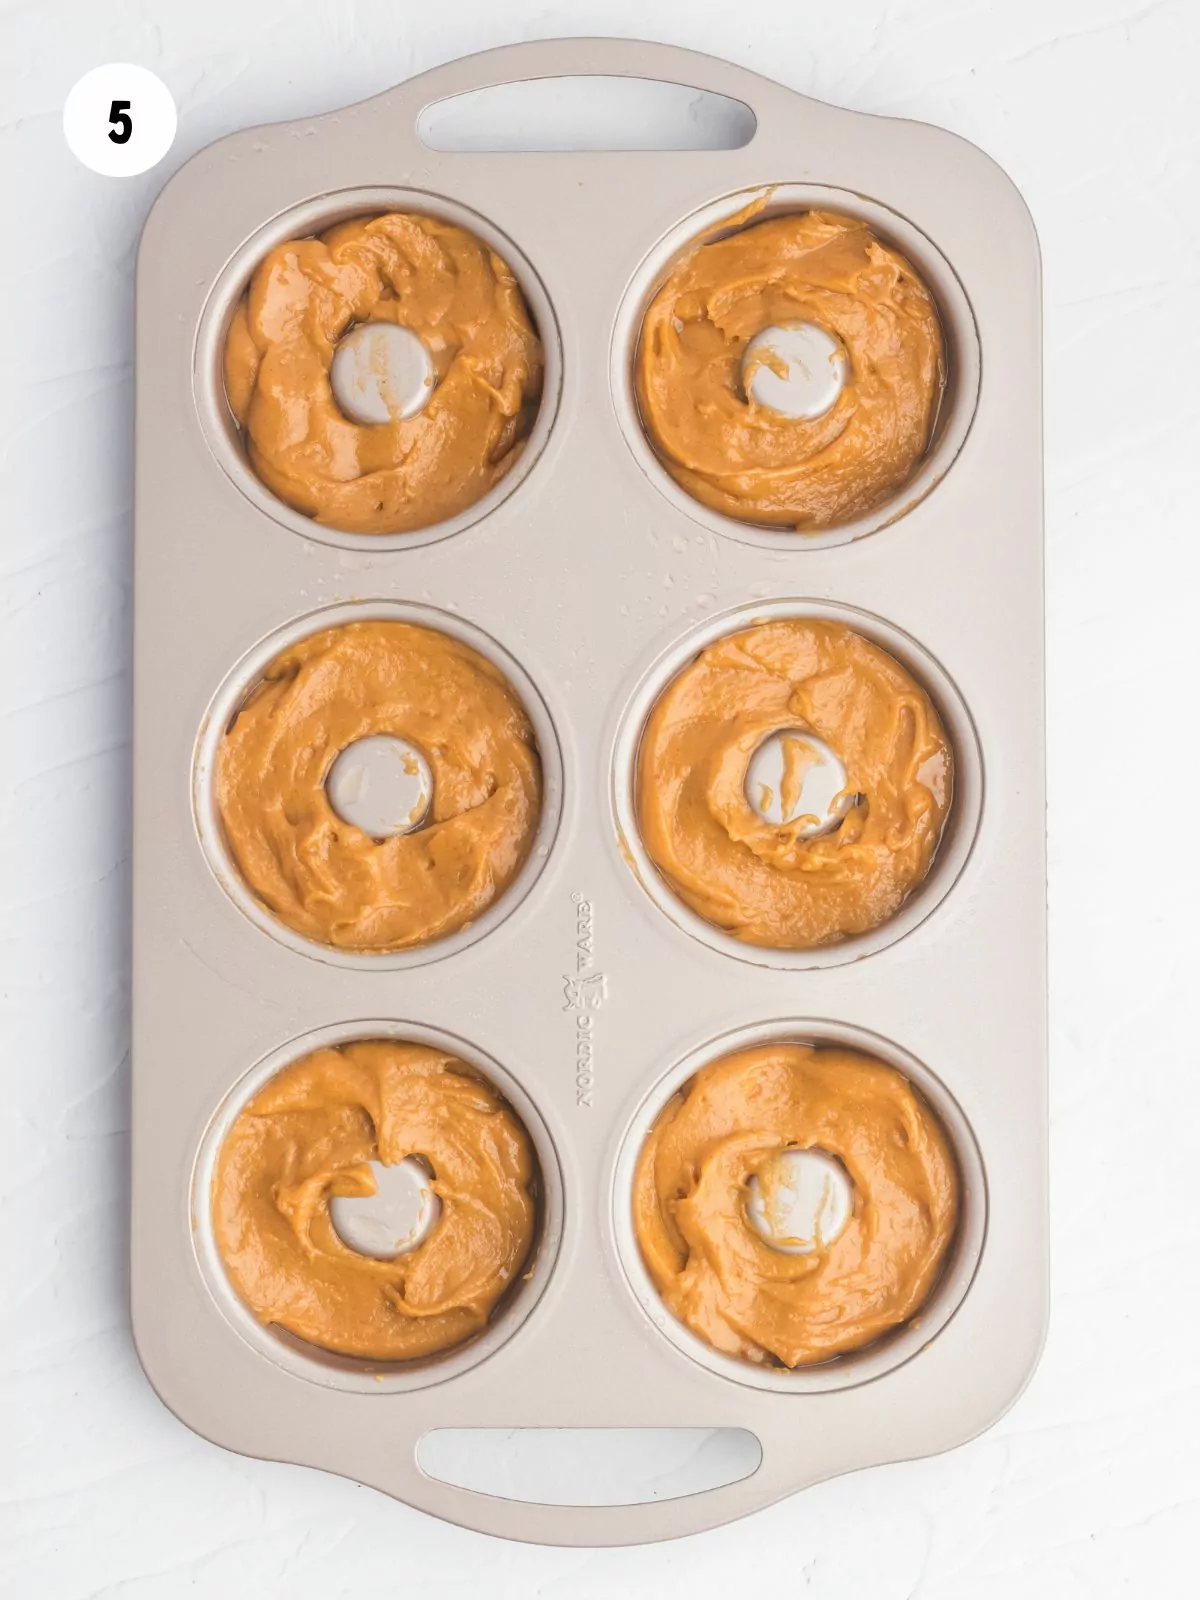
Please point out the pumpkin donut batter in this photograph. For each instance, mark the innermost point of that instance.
(325, 878)
(309, 1135)
(767, 883)
(458, 297)
(747, 460)
(717, 1274)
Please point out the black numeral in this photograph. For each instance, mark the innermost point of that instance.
(122, 122)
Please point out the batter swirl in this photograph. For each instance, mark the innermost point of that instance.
(329, 880)
(464, 304)
(754, 463)
(309, 1135)
(768, 883)
(717, 1275)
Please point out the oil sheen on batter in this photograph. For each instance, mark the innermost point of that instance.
(717, 1275)
(327, 879)
(747, 460)
(309, 1135)
(464, 304)
(767, 883)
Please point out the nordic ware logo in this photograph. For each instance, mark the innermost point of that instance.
(584, 992)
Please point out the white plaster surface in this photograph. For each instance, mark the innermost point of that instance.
(1091, 1486)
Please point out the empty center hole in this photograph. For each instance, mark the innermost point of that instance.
(381, 373)
(796, 369)
(381, 784)
(800, 1201)
(393, 1220)
(792, 775)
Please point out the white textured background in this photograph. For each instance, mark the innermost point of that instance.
(1091, 1486)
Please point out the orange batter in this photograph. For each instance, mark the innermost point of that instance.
(717, 1274)
(464, 304)
(327, 879)
(747, 460)
(766, 883)
(309, 1135)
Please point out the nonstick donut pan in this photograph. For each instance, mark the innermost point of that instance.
(589, 992)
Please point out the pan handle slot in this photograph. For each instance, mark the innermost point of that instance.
(579, 112)
(589, 1466)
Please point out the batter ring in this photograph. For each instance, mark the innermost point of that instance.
(464, 304)
(327, 879)
(772, 884)
(715, 1272)
(754, 463)
(309, 1135)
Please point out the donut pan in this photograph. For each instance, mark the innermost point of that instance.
(588, 994)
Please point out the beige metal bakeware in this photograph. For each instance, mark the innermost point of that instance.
(588, 993)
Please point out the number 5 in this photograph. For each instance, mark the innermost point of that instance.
(122, 123)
